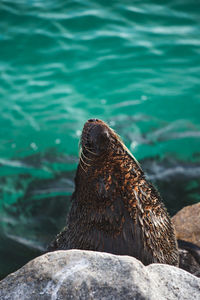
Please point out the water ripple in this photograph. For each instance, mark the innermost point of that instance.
(62, 63)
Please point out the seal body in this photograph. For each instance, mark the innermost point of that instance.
(114, 207)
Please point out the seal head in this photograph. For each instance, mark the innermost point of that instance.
(115, 208)
(95, 137)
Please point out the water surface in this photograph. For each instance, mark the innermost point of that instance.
(134, 64)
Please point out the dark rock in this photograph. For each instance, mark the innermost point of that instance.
(189, 256)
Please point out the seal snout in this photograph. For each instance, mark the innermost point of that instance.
(95, 136)
(93, 120)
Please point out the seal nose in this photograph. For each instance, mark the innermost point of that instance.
(93, 120)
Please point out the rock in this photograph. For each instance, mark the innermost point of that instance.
(188, 262)
(187, 224)
(76, 274)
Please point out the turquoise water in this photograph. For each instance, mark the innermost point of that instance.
(134, 64)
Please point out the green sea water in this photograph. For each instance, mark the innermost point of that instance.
(134, 64)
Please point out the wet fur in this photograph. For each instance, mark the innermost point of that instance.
(114, 208)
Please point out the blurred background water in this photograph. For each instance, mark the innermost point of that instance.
(134, 64)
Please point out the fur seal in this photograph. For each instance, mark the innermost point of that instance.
(115, 208)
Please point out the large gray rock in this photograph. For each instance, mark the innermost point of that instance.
(76, 274)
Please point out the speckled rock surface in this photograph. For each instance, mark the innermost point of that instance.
(187, 224)
(76, 274)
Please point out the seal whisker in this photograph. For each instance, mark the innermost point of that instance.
(82, 144)
(84, 162)
(82, 167)
(81, 154)
(86, 156)
(86, 148)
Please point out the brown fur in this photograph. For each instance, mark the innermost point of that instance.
(114, 208)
